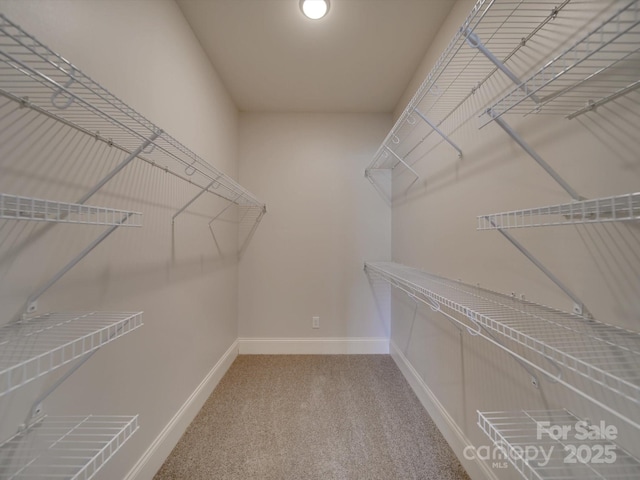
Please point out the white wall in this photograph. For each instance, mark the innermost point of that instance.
(323, 221)
(433, 228)
(145, 53)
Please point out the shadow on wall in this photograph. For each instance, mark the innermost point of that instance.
(382, 297)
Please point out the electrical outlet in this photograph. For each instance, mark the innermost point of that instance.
(315, 322)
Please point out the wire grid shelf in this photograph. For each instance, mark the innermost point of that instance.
(530, 442)
(503, 27)
(72, 448)
(14, 207)
(41, 79)
(31, 348)
(597, 210)
(604, 354)
(600, 67)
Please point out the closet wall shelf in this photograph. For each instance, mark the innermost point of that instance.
(39, 78)
(523, 436)
(606, 209)
(73, 448)
(14, 207)
(33, 347)
(600, 67)
(600, 354)
(441, 102)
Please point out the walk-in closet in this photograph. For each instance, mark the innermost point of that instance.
(319, 239)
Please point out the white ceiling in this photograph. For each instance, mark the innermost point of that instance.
(359, 58)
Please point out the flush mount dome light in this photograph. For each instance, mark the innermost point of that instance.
(314, 9)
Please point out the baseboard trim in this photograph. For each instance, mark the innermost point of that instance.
(313, 346)
(153, 458)
(477, 469)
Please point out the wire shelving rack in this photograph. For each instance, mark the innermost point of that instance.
(14, 207)
(33, 347)
(39, 78)
(530, 442)
(606, 209)
(600, 67)
(73, 448)
(441, 102)
(601, 354)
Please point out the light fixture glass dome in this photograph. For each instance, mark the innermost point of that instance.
(314, 9)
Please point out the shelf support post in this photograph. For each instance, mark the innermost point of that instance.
(188, 204)
(533, 154)
(438, 131)
(474, 41)
(32, 301)
(401, 160)
(579, 307)
(35, 411)
(123, 164)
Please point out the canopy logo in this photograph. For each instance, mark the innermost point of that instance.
(571, 443)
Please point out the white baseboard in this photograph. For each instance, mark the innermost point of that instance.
(151, 461)
(315, 346)
(477, 469)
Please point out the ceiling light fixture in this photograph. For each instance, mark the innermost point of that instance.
(314, 9)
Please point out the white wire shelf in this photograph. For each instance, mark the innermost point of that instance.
(13, 207)
(31, 348)
(524, 439)
(603, 65)
(39, 78)
(601, 354)
(504, 27)
(73, 448)
(606, 209)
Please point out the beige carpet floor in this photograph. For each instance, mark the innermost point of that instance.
(312, 417)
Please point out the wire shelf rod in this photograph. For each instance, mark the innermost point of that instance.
(73, 448)
(34, 347)
(26, 103)
(451, 82)
(601, 353)
(432, 77)
(614, 40)
(592, 105)
(605, 209)
(454, 312)
(51, 83)
(13, 207)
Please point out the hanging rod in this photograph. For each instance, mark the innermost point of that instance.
(614, 44)
(597, 353)
(52, 83)
(25, 103)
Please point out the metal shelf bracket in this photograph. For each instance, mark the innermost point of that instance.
(401, 160)
(474, 41)
(533, 154)
(438, 131)
(190, 202)
(578, 305)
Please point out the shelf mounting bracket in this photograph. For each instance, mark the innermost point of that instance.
(198, 195)
(32, 301)
(579, 307)
(474, 41)
(36, 410)
(401, 160)
(438, 131)
(533, 154)
(120, 166)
